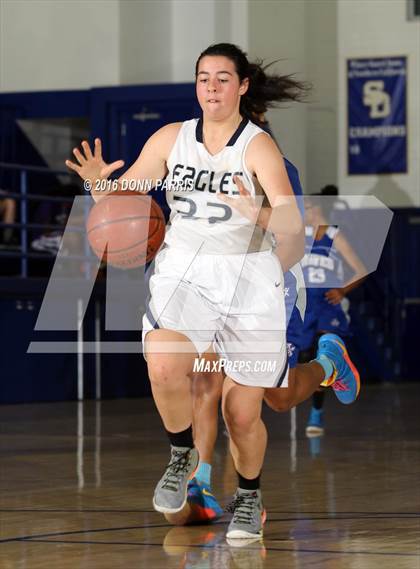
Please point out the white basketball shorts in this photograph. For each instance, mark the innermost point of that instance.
(233, 304)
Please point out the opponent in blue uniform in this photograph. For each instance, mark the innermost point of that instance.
(327, 305)
(322, 269)
(295, 295)
(294, 286)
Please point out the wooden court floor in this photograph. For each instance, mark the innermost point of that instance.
(77, 480)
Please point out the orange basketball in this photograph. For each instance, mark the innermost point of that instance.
(126, 230)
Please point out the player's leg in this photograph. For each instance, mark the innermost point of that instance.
(177, 326)
(248, 440)
(253, 344)
(315, 425)
(169, 375)
(331, 319)
(207, 393)
(201, 506)
(171, 388)
(331, 368)
(302, 380)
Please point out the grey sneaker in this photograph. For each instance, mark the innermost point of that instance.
(248, 515)
(171, 491)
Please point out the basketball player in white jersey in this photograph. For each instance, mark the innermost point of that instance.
(217, 280)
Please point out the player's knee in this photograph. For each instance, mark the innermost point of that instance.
(241, 421)
(165, 371)
(159, 371)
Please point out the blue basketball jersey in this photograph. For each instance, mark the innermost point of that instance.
(323, 270)
(322, 265)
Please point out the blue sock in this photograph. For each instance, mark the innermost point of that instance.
(203, 473)
(327, 365)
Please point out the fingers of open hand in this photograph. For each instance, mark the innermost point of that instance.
(79, 156)
(72, 166)
(224, 198)
(98, 148)
(107, 171)
(86, 148)
(242, 190)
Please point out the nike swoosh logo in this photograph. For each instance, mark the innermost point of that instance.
(277, 284)
(207, 493)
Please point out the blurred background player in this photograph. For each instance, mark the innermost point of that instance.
(327, 306)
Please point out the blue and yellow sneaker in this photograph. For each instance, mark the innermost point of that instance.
(204, 506)
(345, 380)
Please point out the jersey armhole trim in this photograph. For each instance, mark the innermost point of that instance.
(183, 126)
(246, 171)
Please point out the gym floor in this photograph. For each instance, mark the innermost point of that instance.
(77, 481)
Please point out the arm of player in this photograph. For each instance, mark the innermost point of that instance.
(149, 166)
(265, 161)
(290, 249)
(335, 295)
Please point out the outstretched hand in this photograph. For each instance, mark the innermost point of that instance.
(245, 203)
(334, 296)
(90, 166)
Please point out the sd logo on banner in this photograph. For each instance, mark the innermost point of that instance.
(377, 115)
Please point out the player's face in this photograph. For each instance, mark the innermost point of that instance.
(218, 87)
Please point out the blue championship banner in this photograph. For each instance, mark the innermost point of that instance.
(377, 115)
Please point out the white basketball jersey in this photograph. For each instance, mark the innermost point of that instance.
(199, 219)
